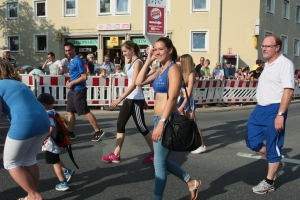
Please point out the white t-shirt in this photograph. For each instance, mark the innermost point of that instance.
(273, 79)
(119, 74)
(137, 93)
(54, 67)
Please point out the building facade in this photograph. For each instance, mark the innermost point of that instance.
(219, 30)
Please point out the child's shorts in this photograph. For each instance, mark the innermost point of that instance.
(51, 158)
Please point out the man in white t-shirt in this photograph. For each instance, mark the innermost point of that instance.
(55, 66)
(266, 125)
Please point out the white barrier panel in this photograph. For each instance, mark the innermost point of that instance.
(29, 81)
(99, 91)
(207, 91)
(296, 92)
(239, 91)
(55, 85)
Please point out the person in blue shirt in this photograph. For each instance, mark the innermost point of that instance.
(77, 102)
(29, 124)
(229, 70)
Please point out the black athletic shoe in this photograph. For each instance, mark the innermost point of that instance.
(73, 136)
(97, 136)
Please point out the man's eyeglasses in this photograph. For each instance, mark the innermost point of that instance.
(268, 46)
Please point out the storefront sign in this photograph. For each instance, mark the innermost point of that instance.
(58, 36)
(108, 27)
(140, 41)
(92, 42)
(156, 20)
(114, 41)
(85, 49)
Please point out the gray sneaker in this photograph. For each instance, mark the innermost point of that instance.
(280, 168)
(263, 187)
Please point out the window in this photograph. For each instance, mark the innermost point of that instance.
(40, 8)
(286, 9)
(284, 46)
(268, 33)
(12, 10)
(296, 47)
(298, 14)
(270, 8)
(40, 43)
(110, 7)
(200, 5)
(13, 43)
(70, 8)
(199, 40)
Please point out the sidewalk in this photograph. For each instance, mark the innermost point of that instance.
(97, 111)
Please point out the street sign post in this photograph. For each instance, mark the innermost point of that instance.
(155, 17)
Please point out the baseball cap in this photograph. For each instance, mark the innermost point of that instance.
(45, 98)
(5, 50)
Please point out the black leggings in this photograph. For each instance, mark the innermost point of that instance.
(134, 108)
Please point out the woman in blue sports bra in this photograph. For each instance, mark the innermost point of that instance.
(187, 67)
(165, 53)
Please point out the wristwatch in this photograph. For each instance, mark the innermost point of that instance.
(121, 98)
(280, 113)
(163, 120)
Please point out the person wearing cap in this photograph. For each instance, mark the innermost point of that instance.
(29, 124)
(6, 56)
(50, 148)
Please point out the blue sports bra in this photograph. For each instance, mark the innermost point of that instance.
(160, 83)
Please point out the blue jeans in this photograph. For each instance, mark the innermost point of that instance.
(162, 165)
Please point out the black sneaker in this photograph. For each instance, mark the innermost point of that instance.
(97, 136)
(73, 136)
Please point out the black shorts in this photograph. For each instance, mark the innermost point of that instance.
(51, 158)
(77, 102)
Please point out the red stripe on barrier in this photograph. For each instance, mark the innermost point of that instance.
(196, 101)
(247, 84)
(30, 80)
(207, 84)
(251, 99)
(41, 80)
(232, 83)
(53, 81)
(151, 84)
(151, 102)
(203, 101)
(55, 102)
(254, 83)
(116, 82)
(126, 82)
(229, 100)
(96, 82)
(237, 100)
(241, 83)
(215, 83)
(66, 79)
(107, 82)
(106, 102)
(66, 102)
(199, 84)
(211, 100)
(244, 100)
(95, 102)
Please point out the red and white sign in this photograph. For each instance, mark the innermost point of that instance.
(108, 27)
(156, 20)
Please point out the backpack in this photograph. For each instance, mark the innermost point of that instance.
(62, 138)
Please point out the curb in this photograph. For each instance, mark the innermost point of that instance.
(98, 112)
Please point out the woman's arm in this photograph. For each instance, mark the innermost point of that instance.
(143, 78)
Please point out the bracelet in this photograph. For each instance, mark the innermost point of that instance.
(121, 98)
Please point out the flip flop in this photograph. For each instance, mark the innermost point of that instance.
(195, 189)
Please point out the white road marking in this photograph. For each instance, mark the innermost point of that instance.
(255, 156)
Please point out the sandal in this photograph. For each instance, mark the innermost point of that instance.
(195, 189)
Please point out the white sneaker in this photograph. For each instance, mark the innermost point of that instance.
(199, 150)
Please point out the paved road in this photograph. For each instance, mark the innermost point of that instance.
(228, 169)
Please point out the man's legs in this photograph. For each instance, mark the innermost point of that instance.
(92, 119)
(72, 121)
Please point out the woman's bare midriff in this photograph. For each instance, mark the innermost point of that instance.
(160, 104)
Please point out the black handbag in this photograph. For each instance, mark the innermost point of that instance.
(181, 133)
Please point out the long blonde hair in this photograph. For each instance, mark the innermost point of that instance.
(7, 71)
(187, 67)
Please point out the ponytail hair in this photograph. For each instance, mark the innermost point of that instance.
(169, 44)
(131, 45)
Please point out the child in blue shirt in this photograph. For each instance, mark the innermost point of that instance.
(52, 151)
